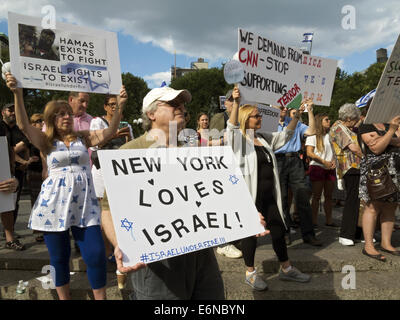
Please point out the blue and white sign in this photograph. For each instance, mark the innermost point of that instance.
(69, 57)
(167, 202)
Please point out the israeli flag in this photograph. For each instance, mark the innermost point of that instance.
(308, 37)
(362, 102)
(163, 84)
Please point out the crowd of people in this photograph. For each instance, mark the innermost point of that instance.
(57, 152)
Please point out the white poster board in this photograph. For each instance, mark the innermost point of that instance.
(270, 118)
(273, 71)
(7, 200)
(281, 75)
(318, 78)
(386, 102)
(69, 58)
(167, 202)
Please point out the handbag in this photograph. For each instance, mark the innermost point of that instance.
(380, 183)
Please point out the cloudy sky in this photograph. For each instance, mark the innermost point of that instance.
(149, 32)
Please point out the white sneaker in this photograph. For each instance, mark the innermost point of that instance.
(230, 251)
(346, 242)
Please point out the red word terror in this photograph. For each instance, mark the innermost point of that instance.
(289, 96)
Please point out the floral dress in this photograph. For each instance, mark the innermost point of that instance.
(67, 196)
(391, 156)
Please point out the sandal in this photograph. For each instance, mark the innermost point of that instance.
(378, 257)
(15, 245)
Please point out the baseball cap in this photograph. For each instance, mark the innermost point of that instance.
(8, 106)
(164, 94)
(228, 94)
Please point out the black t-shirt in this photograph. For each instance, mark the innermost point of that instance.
(265, 179)
(5, 133)
(16, 136)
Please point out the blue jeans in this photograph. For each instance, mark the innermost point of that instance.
(291, 174)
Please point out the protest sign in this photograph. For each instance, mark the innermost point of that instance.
(7, 200)
(270, 118)
(69, 58)
(272, 70)
(167, 202)
(386, 102)
(222, 102)
(233, 72)
(280, 75)
(318, 78)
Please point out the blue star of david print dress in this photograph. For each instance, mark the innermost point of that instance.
(67, 196)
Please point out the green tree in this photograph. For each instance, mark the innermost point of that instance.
(205, 86)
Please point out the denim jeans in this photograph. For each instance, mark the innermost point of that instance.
(291, 174)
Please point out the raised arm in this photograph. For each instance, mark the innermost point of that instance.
(97, 137)
(377, 144)
(233, 118)
(311, 120)
(36, 136)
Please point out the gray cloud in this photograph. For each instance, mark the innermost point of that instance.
(209, 28)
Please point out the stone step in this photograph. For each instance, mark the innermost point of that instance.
(79, 287)
(372, 285)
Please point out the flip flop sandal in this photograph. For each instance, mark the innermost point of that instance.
(378, 257)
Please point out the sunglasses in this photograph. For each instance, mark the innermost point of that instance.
(257, 116)
(175, 103)
(38, 121)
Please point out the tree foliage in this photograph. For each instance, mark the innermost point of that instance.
(205, 85)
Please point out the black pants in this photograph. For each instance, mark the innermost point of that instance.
(20, 176)
(277, 229)
(352, 204)
(291, 174)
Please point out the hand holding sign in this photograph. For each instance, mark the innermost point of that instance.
(395, 122)
(11, 82)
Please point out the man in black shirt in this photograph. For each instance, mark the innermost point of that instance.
(15, 136)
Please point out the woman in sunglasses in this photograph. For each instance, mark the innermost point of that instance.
(255, 152)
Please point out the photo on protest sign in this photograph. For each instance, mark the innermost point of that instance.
(167, 202)
(386, 102)
(68, 58)
(7, 200)
(222, 102)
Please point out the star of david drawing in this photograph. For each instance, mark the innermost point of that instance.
(126, 224)
(233, 179)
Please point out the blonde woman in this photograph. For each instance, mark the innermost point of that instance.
(322, 168)
(67, 198)
(255, 153)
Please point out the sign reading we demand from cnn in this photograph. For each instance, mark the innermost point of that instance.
(167, 202)
(281, 75)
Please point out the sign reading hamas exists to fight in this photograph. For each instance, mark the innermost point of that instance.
(386, 102)
(69, 57)
(280, 75)
(167, 202)
(7, 201)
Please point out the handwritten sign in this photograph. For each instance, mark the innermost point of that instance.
(69, 58)
(270, 118)
(171, 201)
(233, 72)
(272, 70)
(318, 78)
(386, 102)
(7, 200)
(278, 74)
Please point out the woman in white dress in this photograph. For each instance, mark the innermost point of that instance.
(67, 198)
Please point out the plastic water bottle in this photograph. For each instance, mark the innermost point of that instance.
(21, 287)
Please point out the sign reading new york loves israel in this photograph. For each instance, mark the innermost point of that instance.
(167, 202)
(68, 58)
